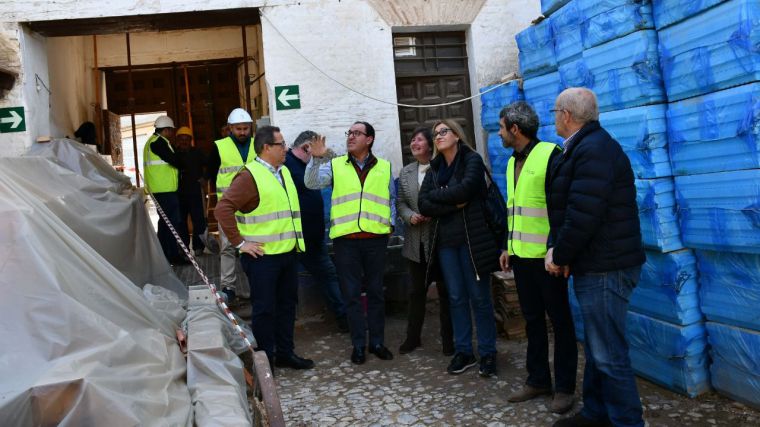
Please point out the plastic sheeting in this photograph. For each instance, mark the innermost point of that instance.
(81, 344)
(576, 74)
(642, 132)
(720, 211)
(716, 132)
(668, 12)
(492, 103)
(536, 44)
(729, 287)
(549, 134)
(668, 289)
(498, 156)
(712, 51)
(550, 6)
(541, 93)
(566, 26)
(670, 355)
(658, 214)
(735, 365)
(605, 20)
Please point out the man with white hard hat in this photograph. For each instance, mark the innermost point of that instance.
(227, 158)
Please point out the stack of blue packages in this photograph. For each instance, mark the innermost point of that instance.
(493, 99)
(549, 134)
(670, 355)
(575, 310)
(576, 74)
(729, 288)
(735, 362)
(669, 12)
(720, 211)
(716, 132)
(711, 51)
(626, 71)
(658, 215)
(541, 93)
(550, 6)
(668, 289)
(605, 20)
(498, 156)
(536, 44)
(642, 132)
(566, 26)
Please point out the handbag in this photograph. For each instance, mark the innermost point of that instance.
(495, 210)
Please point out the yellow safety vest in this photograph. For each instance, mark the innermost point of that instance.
(231, 163)
(160, 177)
(357, 208)
(276, 222)
(527, 217)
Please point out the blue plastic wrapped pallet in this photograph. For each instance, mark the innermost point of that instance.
(720, 211)
(606, 20)
(536, 44)
(493, 99)
(658, 214)
(576, 74)
(575, 310)
(729, 288)
(549, 134)
(668, 289)
(669, 12)
(541, 92)
(550, 6)
(626, 71)
(711, 51)
(642, 132)
(735, 365)
(716, 132)
(670, 355)
(495, 149)
(566, 26)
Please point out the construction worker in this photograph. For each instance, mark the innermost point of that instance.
(227, 157)
(261, 215)
(160, 167)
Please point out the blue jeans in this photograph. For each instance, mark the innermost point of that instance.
(609, 385)
(318, 263)
(466, 292)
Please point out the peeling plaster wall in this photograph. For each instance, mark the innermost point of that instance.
(12, 144)
(427, 12)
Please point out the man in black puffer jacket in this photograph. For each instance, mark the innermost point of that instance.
(595, 235)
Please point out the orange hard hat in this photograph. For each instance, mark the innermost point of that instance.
(184, 130)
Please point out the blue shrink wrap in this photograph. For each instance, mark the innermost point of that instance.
(711, 51)
(716, 132)
(670, 355)
(720, 211)
(669, 12)
(729, 288)
(498, 157)
(549, 134)
(668, 289)
(540, 93)
(536, 44)
(626, 71)
(494, 100)
(605, 20)
(550, 6)
(735, 366)
(566, 26)
(575, 310)
(658, 214)
(642, 132)
(575, 74)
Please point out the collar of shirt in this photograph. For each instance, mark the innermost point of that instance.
(275, 171)
(569, 138)
(361, 164)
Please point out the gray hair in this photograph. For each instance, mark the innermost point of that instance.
(520, 113)
(304, 137)
(580, 103)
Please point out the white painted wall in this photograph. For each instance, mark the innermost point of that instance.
(70, 64)
(36, 102)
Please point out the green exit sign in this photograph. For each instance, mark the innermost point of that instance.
(287, 97)
(12, 120)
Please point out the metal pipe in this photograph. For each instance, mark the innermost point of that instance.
(131, 104)
(187, 103)
(96, 83)
(245, 70)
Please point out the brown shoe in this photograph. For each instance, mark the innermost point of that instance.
(562, 402)
(527, 393)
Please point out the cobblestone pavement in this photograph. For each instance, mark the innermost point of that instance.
(414, 389)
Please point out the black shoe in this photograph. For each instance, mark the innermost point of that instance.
(381, 352)
(448, 348)
(579, 420)
(342, 322)
(408, 346)
(293, 361)
(488, 365)
(460, 363)
(358, 357)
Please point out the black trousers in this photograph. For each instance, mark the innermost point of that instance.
(191, 203)
(418, 289)
(541, 294)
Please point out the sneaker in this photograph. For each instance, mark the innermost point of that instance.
(527, 393)
(579, 420)
(562, 402)
(488, 366)
(461, 362)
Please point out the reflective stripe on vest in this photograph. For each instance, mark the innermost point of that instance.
(527, 217)
(276, 222)
(231, 163)
(357, 208)
(160, 177)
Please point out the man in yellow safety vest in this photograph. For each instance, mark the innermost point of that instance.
(539, 292)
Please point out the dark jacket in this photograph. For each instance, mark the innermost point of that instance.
(312, 205)
(192, 163)
(592, 207)
(467, 185)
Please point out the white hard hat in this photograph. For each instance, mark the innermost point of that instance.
(239, 115)
(164, 122)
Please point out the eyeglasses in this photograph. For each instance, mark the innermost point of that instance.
(554, 110)
(282, 144)
(355, 133)
(442, 132)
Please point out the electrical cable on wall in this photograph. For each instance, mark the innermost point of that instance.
(261, 12)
